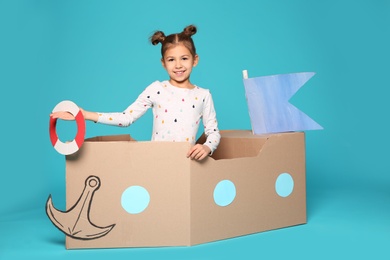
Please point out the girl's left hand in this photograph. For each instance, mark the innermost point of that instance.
(198, 152)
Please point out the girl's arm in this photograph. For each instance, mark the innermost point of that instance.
(201, 151)
(210, 124)
(133, 112)
(125, 118)
(88, 115)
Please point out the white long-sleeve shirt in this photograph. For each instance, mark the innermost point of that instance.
(177, 113)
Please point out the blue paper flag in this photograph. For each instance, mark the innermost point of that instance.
(269, 109)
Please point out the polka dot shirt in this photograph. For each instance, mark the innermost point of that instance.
(177, 113)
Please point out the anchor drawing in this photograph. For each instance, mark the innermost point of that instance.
(76, 222)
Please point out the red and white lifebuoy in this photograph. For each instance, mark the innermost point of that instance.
(69, 147)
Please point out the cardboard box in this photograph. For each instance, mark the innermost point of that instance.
(182, 208)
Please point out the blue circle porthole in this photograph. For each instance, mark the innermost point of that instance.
(224, 193)
(284, 185)
(135, 199)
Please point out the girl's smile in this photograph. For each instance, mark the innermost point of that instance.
(178, 61)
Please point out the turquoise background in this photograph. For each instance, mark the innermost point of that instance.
(96, 53)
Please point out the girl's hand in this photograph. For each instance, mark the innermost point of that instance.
(64, 115)
(198, 152)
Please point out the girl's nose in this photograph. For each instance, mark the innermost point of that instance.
(178, 64)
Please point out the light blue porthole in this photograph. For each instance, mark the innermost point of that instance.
(284, 185)
(135, 199)
(224, 193)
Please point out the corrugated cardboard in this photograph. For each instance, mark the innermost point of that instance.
(182, 210)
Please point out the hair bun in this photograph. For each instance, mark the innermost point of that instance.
(189, 30)
(157, 37)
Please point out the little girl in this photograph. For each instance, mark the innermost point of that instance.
(178, 105)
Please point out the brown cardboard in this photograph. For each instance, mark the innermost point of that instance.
(182, 210)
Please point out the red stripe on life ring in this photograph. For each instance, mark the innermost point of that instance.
(80, 129)
(52, 131)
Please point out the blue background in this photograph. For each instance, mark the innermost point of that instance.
(96, 53)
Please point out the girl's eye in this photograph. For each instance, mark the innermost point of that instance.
(184, 58)
(170, 59)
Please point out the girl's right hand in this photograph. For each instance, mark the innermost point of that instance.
(64, 115)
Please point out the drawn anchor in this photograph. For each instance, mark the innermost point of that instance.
(76, 222)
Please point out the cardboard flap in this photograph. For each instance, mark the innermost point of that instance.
(110, 138)
(237, 144)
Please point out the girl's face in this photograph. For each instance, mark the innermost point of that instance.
(178, 61)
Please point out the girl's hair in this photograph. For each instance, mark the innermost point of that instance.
(174, 39)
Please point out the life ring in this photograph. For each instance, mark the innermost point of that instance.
(73, 146)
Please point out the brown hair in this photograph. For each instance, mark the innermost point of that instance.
(174, 39)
